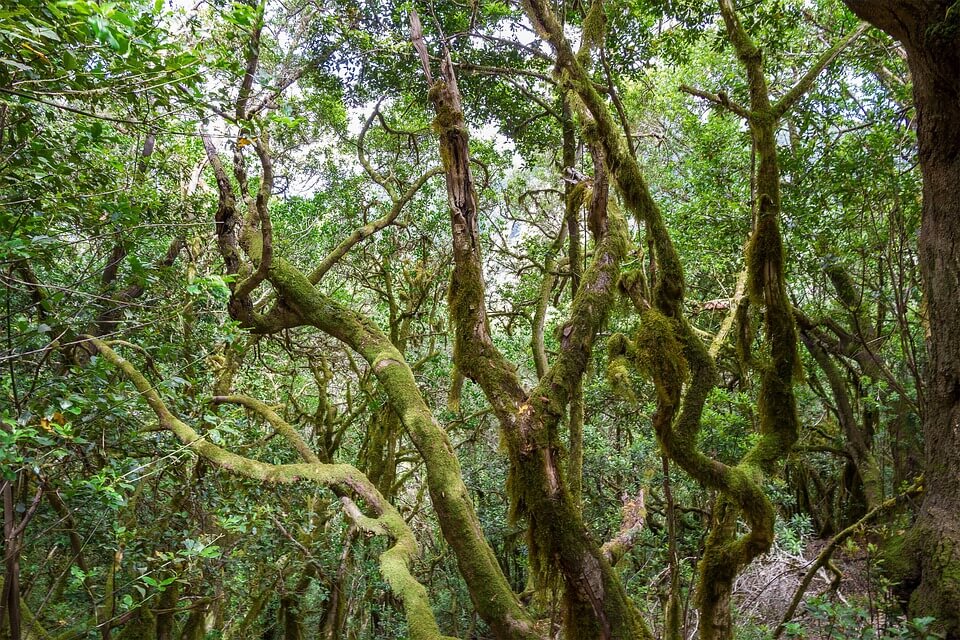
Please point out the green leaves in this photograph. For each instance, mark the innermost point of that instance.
(240, 14)
(214, 286)
(197, 549)
(840, 620)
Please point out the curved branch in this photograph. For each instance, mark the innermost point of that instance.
(491, 593)
(623, 167)
(805, 83)
(543, 301)
(252, 62)
(282, 426)
(371, 228)
(375, 175)
(720, 99)
(394, 563)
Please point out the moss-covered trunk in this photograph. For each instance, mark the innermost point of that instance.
(596, 604)
(930, 33)
(491, 593)
(936, 77)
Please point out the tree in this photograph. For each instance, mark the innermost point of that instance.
(268, 377)
(930, 34)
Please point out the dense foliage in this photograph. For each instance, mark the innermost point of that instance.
(355, 319)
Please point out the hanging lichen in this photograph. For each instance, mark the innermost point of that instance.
(659, 354)
(620, 353)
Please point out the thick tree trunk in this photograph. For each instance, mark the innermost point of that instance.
(930, 33)
(936, 77)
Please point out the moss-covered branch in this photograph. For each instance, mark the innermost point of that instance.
(491, 593)
(623, 168)
(367, 230)
(263, 252)
(543, 301)
(749, 56)
(474, 353)
(394, 563)
(667, 348)
(282, 426)
(595, 603)
(634, 511)
(857, 444)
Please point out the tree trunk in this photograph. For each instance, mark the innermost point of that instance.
(936, 79)
(10, 603)
(930, 33)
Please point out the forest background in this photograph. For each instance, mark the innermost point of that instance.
(480, 319)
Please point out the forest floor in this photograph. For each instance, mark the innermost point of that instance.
(764, 591)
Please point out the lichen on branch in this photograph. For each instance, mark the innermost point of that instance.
(395, 562)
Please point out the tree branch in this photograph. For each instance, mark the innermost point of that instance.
(491, 593)
(371, 228)
(474, 352)
(394, 563)
(827, 552)
(805, 83)
(720, 99)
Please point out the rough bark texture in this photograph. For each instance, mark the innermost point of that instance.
(930, 33)
(561, 548)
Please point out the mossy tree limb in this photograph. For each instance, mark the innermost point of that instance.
(823, 558)
(766, 285)
(543, 302)
(282, 426)
(678, 416)
(596, 605)
(676, 423)
(857, 442)
(623, 168)
(394, 563)
(491, 593)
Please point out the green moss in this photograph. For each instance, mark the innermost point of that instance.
(447, 118)
(936, 574)
(594, 32)
(843, 284)
(764, 258)
(633, 285)
(660, 354)
(945, 32)
(899, 560)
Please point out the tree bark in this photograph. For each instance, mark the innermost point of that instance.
(930, 32)
(561, 549)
